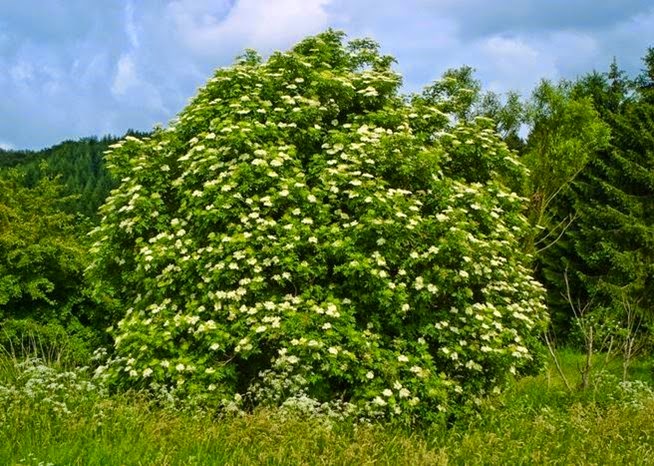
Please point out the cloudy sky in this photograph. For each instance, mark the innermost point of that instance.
(74, 68)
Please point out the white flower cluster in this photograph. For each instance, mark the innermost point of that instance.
(42, 387)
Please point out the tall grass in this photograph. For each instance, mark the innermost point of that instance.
(58, 416)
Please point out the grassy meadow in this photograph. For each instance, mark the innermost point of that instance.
(53, 415)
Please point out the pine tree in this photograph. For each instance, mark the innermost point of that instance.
(79, 164)
(607, 254)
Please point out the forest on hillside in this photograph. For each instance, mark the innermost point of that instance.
(305, 236)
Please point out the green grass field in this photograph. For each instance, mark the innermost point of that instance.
(53, 416)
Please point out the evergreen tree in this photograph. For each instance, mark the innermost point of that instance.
(80, 166)
(606, 255)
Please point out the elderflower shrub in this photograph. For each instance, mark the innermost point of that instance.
(303, 232)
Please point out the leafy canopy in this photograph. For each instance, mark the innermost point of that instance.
(42, 261)
(304, 234)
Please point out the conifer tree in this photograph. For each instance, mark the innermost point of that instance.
(607, 254)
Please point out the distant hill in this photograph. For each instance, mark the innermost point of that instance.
(78, 164)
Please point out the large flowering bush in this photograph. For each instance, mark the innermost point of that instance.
(303, 232)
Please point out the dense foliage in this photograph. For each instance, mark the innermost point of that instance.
(79, 166)
(49, 202)
(603, 263)
(42, 261)
(303, 234)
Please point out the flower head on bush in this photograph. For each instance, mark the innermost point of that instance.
(303, 231)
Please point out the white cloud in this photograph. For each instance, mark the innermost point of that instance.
(512, 63)
(507, 50)
(22, 72)
(132, 90)
(130, 25)
(282, 21)
(205, 29)
(125, 77)
(574, 53)
(6, 146)
(92, 70)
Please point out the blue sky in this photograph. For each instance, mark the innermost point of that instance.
(74, 68)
